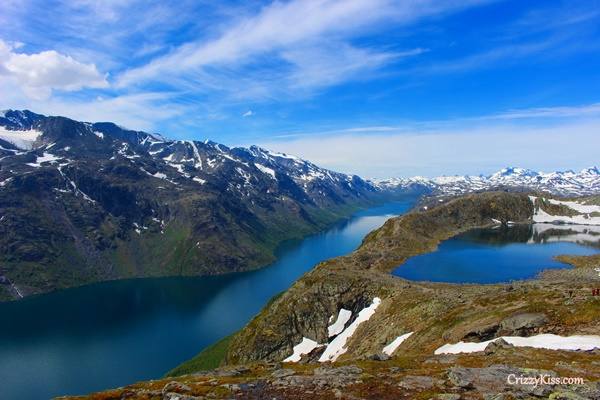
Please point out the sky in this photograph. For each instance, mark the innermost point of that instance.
(379, 88)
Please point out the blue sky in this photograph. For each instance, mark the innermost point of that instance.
(374, 87)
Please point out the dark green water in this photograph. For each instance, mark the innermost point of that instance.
(106, 335)
(501, 254)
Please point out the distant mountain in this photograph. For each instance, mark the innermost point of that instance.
(83, 202)
(567, 183)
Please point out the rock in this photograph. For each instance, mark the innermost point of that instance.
(234, 387)
(178, 396)
(343, 371)
(566, 396)
(499, 396)
(379, 357)
(282, 373)
(494, 379)
(497, 345)
(461, 377)
(447, 396)
(482, 333)
(414, 382)
(522, 324)
(176, 387)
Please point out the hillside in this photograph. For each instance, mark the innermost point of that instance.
(85, 202)
(348, 329)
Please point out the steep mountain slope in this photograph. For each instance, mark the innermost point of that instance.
(567, 183)
(82, 202)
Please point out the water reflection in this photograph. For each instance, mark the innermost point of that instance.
(501, 254)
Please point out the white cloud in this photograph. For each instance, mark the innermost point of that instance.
(330, 64)
(291, 34)
(136, 111)
(591, 110)
(248, 113)
(40, 73)
(469, 146)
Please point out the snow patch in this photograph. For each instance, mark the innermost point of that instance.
(390, 348)
(46, 157)
(23, 140)
(584, 218)
(5, 182)
(198, 160)
(304, 347)
(265, 170)
(339, 325)
(543, 341)
(337, 346)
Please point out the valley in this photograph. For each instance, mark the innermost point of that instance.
(220, 233)
(88, 202)
(555, 307)
(145, 327)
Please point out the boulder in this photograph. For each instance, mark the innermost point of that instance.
(523, 324)
(497, 345)
(176, 387)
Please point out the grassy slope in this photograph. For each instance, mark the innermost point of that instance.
(207, 359)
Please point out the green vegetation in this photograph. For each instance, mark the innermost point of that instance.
(207, 359)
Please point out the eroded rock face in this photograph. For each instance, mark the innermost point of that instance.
(522, 324)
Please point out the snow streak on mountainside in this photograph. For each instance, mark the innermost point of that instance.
(82, 202)
(567, 183)
(30, 135)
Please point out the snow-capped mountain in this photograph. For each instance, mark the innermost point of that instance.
(29, 141)
(106, 202)
(564, 183)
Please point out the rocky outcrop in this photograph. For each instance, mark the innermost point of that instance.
(522, 324)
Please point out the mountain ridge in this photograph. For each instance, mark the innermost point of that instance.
(84, 202)
(563, 183)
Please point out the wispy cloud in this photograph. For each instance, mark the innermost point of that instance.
(288, 61)
(590, 110)
(464, 146)
(309, 52)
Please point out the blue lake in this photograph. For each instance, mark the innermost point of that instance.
(111, 334)
(501, 254)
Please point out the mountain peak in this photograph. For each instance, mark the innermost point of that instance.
(514, 171)
(586, 182)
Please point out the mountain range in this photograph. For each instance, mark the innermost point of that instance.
(565, 183)
(84, 202)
